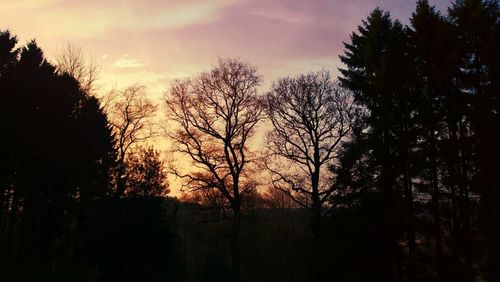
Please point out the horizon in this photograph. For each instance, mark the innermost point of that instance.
(280, 38)
(320, 140)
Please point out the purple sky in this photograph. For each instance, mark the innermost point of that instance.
(152, 42)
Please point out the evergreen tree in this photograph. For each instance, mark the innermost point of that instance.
(478, 31)
(433, 44)
(430, 96)
(377, 70)
(58, 151)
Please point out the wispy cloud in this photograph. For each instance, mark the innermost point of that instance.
(25, 4)
(170, 39)
(125, 62)
(92, 19)
(183, 37)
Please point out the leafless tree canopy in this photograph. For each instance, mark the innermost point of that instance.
(71, 60)
(310, 116)
(216, 114)
(131, 113)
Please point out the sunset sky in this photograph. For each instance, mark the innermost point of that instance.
(152, 42)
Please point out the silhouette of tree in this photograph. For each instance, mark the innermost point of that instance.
(311, 117)
(433, 45)
(378, 70)
(215, 115)
(8, 195)
(146, 177)
(8, 53)
(277, 199)
(478, 36)
(58, 151)
(131, 113)
(430, 94)
(400, 180)
(70, 60)
(207, 198)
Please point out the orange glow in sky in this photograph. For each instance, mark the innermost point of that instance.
(152, 42)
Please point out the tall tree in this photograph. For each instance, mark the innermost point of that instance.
(377, 71)
(8, 198)
(58, 149)
(131, 113)
(478, 31)
(215, 115)
(310, 117)
(433, 46)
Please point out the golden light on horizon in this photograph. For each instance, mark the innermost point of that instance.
(153, 43)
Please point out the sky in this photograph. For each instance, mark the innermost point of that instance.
(153, 42)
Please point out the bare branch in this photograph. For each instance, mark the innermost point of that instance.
(71, 60)
(131, 114)
(215, 114)
(310, 115)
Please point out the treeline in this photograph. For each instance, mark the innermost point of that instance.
(424, 157)
(394, 162)
(59, 162)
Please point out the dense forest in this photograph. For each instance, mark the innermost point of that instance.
(387, 172)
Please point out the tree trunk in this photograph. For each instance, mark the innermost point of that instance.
(435, 204)
(412, 249)
(386, 187)
(315, 226)
(410, 210)
(10, 216)
(316, 249)
(120, 176)
(235, 243)
(465, 209)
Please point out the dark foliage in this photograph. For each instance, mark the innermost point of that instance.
(412, 194)
(423, 155)
(56, 149)
(130, 239)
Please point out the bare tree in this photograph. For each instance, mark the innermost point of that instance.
(131, 113)
(215, 115)
(311, 116)
(71, 60)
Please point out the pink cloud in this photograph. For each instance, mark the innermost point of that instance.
(269, 33)
(184, 37)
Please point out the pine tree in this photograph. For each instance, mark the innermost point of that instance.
(377, 70)
(58, 150)
(478, 28)
(433, 42)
